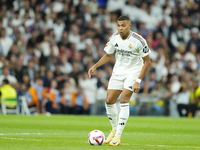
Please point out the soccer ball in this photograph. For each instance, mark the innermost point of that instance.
(96, 137)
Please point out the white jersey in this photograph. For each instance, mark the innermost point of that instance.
(128, 52)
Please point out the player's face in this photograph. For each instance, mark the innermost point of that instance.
(123, 28)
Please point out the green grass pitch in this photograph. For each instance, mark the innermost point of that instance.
(65, 132)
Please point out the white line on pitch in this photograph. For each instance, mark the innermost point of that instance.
(20, 139)
(23, 139)
(161, 145)
(141, 133)
(21, 134)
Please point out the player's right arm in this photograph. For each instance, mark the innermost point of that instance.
(102, 61)
(109, 49)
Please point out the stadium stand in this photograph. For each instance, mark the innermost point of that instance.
(61, 39)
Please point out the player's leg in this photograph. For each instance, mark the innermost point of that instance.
(115, 87)
(111, 110)
(124, 113)
(123, 116)
(124, 106)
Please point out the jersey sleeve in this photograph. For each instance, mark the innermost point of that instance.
(109, 48)
(143, 48)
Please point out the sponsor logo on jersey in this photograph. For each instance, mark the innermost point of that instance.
(145, 49)
(130, 46)
(123, 52)
(116, 45)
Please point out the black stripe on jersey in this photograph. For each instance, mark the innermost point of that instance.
(139, 38)
(114, 34)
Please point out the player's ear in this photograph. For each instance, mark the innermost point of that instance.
(129, 24)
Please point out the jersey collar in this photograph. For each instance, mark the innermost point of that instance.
(128, 36)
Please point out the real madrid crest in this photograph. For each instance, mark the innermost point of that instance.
(145, 49)
(130, 46)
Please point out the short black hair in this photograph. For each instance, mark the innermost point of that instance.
(5, 81)
(123, 17)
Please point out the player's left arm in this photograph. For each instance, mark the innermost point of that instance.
(147, 64)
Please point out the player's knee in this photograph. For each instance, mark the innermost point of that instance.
(109, 101)
(125, 99)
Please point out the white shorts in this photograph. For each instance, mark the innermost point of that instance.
(119, 82)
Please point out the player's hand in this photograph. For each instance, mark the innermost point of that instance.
(91, 70)
(136, 87)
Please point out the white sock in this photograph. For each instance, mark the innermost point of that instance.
(118, 108)
(123, 117)
(111, 110)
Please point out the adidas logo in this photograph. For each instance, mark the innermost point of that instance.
(116, 45)
(122, 123)
(130, 87)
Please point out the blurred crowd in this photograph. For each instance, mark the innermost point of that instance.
(47, 47)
